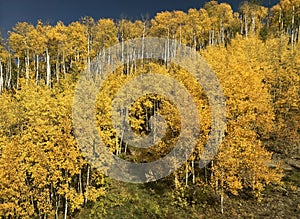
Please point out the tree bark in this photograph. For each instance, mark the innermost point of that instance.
(87, 184)
(48, 74)
(186, 172)
(246, 25)
(253, 24)
(292, 29)
(18, 71)
(80, 183)
(9, 73)
(64, 64)
(57, 67)
(66, 209)
(1, 77)
(222, 193)
(27, 66)
(37, 70)
(193, 171)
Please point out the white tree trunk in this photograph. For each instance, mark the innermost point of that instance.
(18, 71)
(37, 70)
(293, 31)
(80, 183)
(57, 67)
(27, 66)
(9, 66)
(222, 192)
(88, 56)
(186, 172)
(66, 209)
(1, 77)
(193, 171)
(48, 73)
(87, 184)
(246, 25)
(64, 64)
(253, 26)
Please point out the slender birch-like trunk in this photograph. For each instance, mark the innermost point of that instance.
(66, 209)
(48, 71)
(57, 67)
(64, 64)
(293, 31)
(37, 70)
(246, 25)
(27, 66)
(1, 76)
(87, 184)
(18, 71)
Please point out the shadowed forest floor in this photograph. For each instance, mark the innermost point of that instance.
(154, 200)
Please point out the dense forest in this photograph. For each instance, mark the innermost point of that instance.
(255, 54)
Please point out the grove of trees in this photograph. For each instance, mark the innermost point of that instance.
(254, 52)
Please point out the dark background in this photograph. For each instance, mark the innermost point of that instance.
(13, 11)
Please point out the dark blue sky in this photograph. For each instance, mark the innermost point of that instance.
(12, 11)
